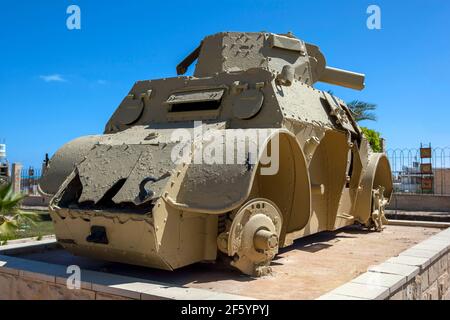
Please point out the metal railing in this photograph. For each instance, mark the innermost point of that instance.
(29, 180)
(412, 174)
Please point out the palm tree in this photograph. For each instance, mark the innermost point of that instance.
(361, 110)
(11, 217)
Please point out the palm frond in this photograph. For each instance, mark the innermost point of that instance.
(8, 227)
(26, 217)
(9, 201)
(4, 189)
(361, 110)
(11, 217)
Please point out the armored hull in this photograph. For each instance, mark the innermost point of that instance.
(239, 159)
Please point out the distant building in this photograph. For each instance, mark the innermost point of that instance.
(441, 180)
(409, 179)
(4, 165)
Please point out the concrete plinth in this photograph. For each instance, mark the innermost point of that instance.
(310, 268)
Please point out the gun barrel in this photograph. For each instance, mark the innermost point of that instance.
(343, 78)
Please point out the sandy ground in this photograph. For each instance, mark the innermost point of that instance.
(309, 268)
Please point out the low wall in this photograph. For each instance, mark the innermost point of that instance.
(35, 201)
(23, 279)
(420, 202)
(419, 273)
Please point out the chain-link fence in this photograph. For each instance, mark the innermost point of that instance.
(423, 170)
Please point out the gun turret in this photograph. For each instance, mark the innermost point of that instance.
(283, 54)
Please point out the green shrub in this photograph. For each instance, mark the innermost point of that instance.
(11, 217)
(374, 139)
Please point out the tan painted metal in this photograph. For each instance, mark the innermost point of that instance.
(343, 78)
(120, 197)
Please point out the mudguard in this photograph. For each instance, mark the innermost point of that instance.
(377, 173)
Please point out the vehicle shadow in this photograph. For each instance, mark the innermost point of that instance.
(198, 273)
(324, 240)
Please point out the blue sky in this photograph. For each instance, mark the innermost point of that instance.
(57, 84)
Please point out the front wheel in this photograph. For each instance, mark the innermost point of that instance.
(253, 238)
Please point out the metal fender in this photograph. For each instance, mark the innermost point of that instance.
(221, 188)
(63, 162)
(377, 173)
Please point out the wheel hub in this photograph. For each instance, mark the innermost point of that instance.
(253, 237)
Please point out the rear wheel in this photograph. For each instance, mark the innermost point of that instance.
(252, 239)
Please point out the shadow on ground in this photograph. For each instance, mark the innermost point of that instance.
(196, 273)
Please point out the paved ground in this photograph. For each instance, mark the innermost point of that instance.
(418, 215)
(306, 270)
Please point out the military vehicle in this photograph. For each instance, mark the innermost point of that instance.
(121, 197)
